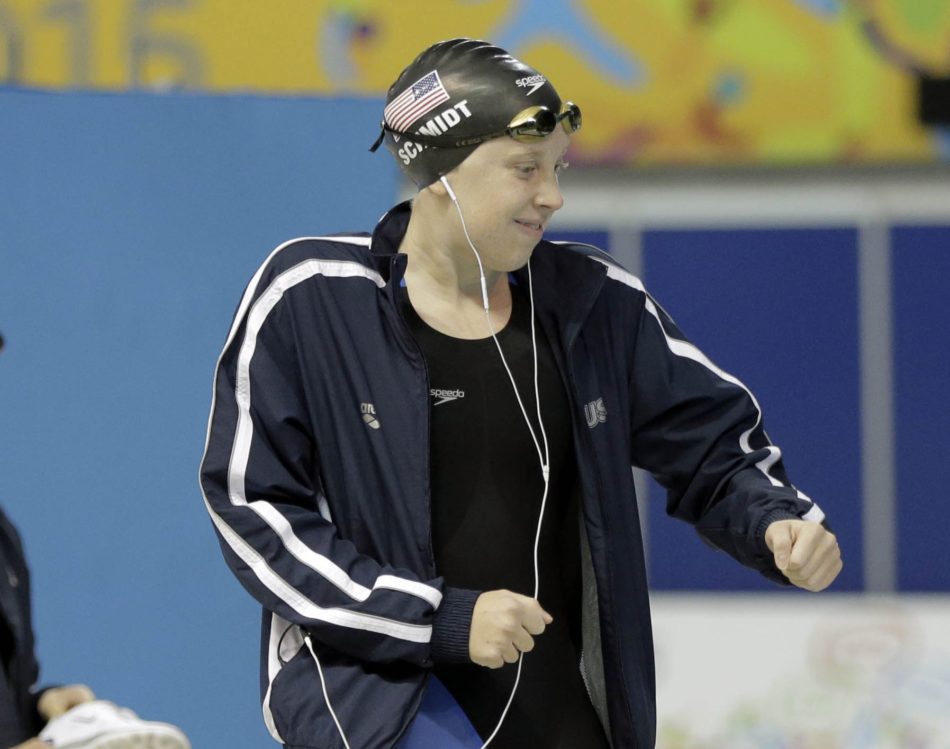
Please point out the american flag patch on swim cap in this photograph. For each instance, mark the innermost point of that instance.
(416, 101)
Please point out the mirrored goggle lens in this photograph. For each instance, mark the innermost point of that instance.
(533, 124)
(539, 122)
(571, 117)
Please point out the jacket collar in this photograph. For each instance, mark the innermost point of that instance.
(566, 286)
(566, 283)
(390, 229)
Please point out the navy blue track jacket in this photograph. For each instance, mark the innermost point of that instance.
(316, 477)
(19, 717)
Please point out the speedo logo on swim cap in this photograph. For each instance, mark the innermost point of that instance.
(534, 81)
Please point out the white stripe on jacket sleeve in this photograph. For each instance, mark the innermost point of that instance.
(689, 351)
(303, 605)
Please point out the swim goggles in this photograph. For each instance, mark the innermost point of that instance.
(528, 126)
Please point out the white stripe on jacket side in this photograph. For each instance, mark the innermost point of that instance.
(238, 464)
(275, 660)
(689, 351)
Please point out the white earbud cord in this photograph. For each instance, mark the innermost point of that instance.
(544, 458)
(323, 685)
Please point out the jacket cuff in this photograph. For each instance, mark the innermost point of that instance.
(769, 518)
(451, 625)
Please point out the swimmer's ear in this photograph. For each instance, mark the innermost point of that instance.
(438, 188)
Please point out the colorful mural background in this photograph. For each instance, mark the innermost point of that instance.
(850, 673)
(661, 82)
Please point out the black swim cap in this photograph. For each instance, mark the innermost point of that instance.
(463, 88)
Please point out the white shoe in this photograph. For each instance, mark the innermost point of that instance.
(104, 725)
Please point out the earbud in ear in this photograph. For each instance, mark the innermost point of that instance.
(448, 188)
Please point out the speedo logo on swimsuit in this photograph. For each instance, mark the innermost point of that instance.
(445, 396)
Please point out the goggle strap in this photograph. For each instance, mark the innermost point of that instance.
(379, 140)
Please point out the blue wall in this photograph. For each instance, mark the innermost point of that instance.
(779, 310)
(921, 279)
(128, 228)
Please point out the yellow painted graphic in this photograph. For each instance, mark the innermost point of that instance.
(660, 81)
